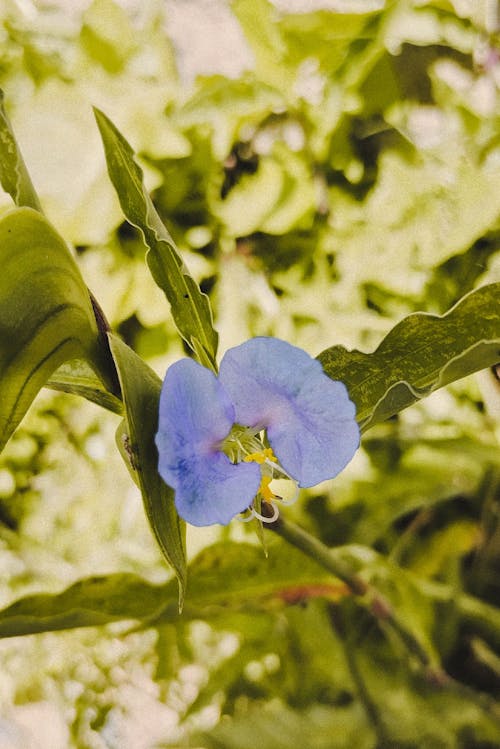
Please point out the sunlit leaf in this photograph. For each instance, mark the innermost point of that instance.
(332, 37)
(420, 354)
(190, 308)
(276, 199)
(107, 34)
(297, 201)
(46, 316)
(227, 106)
(252, 200)
(14, 176)
(141, 393)
(258, 20)
(425, 207)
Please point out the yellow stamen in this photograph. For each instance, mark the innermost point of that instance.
(265, 490)
(261, 457)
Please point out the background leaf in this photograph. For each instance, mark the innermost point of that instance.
(420, 354)
(46, 317)
(14, 176)
(384, 123)
(141, 393)
(190, 308)
(249, 577)
(253, 582)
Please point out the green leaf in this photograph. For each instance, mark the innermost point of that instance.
(87, 603)
(249, 577)
(252, 200)
(14, 176)
(78, 378)
(107, 34)
(250, 580)
(423, 209)
(141, 392)
(190, 308)
(278, 726)
(331, 37)
(277, 198)
(46, 316)
(419, 355)
(258, 21)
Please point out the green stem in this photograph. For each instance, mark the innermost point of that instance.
(370, 706)
(374, 601)
(316, 550)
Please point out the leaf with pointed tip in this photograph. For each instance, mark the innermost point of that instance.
(250, 579)
(46, 316)
(190, 307)
(420, 354)
(14, 176)
(247, 574)
(141, 392)
(87, 603)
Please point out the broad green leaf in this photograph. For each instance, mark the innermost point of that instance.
(419, 355)
(46, 316)
(87, 603)
(249, 577)
(141, 392)
(190, 308)
(286, 576)
(14, 176)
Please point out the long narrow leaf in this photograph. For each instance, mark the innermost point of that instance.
(190, 308)
(141, 393)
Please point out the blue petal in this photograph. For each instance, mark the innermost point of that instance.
(195, 415)
(214, 490)
(309, 418)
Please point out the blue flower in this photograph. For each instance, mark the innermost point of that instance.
(272, 411)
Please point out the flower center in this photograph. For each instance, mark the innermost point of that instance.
(247, 444)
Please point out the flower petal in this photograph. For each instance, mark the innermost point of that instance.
(309, 418)
(195, 415)
(214, 490)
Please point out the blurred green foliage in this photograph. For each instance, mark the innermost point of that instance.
(348, 178)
